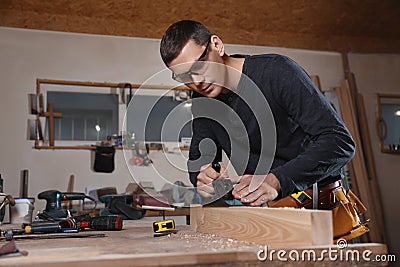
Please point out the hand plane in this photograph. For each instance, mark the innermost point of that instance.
(223, 191)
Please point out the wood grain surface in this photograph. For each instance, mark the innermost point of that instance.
(265, 226)
(135, 245)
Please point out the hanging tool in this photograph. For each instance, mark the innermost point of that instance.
(8, 199)
(128, 86)
(142, 158)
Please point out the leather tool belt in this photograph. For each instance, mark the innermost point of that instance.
(346, 208)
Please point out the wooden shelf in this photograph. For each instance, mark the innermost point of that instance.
(76, 147)
(390, 151)
(91, 147)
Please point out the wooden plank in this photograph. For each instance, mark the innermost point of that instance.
(317, 83)
(265, 226)
(50, 114)
(360, 175)
(370, 164)
(70, 188)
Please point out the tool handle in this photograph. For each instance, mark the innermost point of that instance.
(72, 196)
(24, 184)
(46, 228)
(216, 166)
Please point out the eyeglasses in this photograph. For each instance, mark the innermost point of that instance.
(187, 77)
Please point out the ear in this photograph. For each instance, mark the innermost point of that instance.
(217, 44)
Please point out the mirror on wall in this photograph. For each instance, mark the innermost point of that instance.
(388, 122)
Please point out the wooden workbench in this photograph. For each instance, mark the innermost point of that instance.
(135, 245)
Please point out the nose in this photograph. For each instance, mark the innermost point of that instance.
(198, 80)
(197, 83)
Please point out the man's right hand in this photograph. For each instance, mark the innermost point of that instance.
(205, 178)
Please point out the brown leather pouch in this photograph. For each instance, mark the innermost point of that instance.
(346, 209)
(346, 220)
(283, 202)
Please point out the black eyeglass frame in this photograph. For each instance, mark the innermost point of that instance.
(181, 77)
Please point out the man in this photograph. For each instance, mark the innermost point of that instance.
(283, 138)
(312, 143)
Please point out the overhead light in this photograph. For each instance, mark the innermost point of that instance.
(97, 127)
(397, 113)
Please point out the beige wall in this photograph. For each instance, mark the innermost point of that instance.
(381, 73)
(28, 54)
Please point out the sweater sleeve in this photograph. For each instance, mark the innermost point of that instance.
(329, 146)
(204, 147)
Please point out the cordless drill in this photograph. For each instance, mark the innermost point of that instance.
(53, 203)
(108, 222)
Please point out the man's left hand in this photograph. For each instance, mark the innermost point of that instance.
(267, 191)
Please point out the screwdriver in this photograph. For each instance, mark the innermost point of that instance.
(29, 229)
(43, 228)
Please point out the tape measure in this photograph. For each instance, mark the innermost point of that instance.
(301, 196)
(164, 226)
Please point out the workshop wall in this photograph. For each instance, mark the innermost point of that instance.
(379, 73)
(30, 54)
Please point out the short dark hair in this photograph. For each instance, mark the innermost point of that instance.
(177, 36)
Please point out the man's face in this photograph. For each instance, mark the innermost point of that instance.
(200, 68)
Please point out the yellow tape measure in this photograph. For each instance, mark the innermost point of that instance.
(164, 226)
(300, 196)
